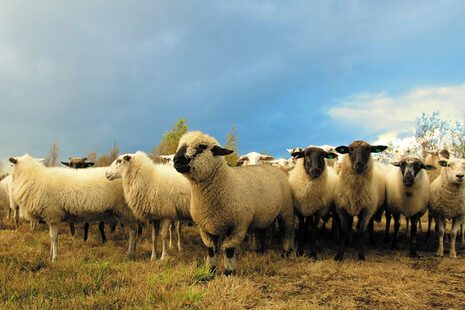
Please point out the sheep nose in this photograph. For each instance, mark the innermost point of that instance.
(460, 176)
(314, 171)
(359, 166)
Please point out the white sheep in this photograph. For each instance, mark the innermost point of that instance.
(360, 191)
(228, 201)
(57, 195)
(154, 192)
(407, 193)
(253, 158)
(448, 200)
(312, 183)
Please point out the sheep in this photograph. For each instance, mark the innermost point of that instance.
(448, 200)
(82, 163)
(286, 164)
(360, 191)
(57, 195)
(154, 192)
(228, 201)
(167, 158)
(312, 183)
(407, 193)
(7, 185)
(432, 158)
(253, 158)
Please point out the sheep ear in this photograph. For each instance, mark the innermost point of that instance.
(127, 157)
(267, 157)
(65, 163)
(342, 149)
(89, 165)
(442, 163)
(298, 154)
(219, 151)
(13, 160)
(429, 167)
(84, 159)
(377, 148)
(396, 163)
(330, 155)
(445, 153)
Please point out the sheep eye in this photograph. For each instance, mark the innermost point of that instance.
(118, 161)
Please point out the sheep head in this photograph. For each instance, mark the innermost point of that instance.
(453, 170)
(118, 167)
(410, 167)
(360, 154)
(314, 160)
(198, 155)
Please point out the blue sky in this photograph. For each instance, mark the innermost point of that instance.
(85, 74)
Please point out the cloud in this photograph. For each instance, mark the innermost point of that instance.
(84, 74)
(393, 116)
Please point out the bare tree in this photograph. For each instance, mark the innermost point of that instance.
(52, 159)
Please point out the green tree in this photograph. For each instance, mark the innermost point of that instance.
(232, 144)
(169, 142)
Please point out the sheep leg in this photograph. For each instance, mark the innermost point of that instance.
(132, 230)
(72, 229)
(419, 225)
(155, 230)
(396, 231)
(165, 227)
(363, 220)
(211, 242)
(178, 232)
(461, 233)
(428, 230)
(456, 222)
(407, 222)
(371, 229)
(139, 229)
(261, 240)
(343, 221)
(313, 234)
(286, 226)
(113, 227)
(301, 231)
(86, 231)
(53, 241)
(230, 243)
(413, 236)
(8, 215)
(170, 246)
(101, 229)
(16, 215)
(388, 226)
(350, 223)
(440, 223)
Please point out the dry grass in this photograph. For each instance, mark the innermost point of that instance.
(91, 275)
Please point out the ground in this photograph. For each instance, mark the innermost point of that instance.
(92, 275)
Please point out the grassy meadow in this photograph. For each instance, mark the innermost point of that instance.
(89, 275)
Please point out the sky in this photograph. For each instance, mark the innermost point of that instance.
(84, 74)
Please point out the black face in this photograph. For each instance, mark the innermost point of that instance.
(359, 153)
(410, 167)
(314, 160)
(77, 165)
(181, 162)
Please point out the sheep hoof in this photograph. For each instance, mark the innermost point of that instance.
(361, 257)
(339, 257)
(228, 272)
(439, 254)
(312, 255)
(452, 255)
(285, 253)
(300, 252)
(414, 255)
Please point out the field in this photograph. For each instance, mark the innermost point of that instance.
(91, 275)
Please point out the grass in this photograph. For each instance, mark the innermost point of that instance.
(89, 275)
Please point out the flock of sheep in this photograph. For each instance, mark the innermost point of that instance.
(230, 203)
